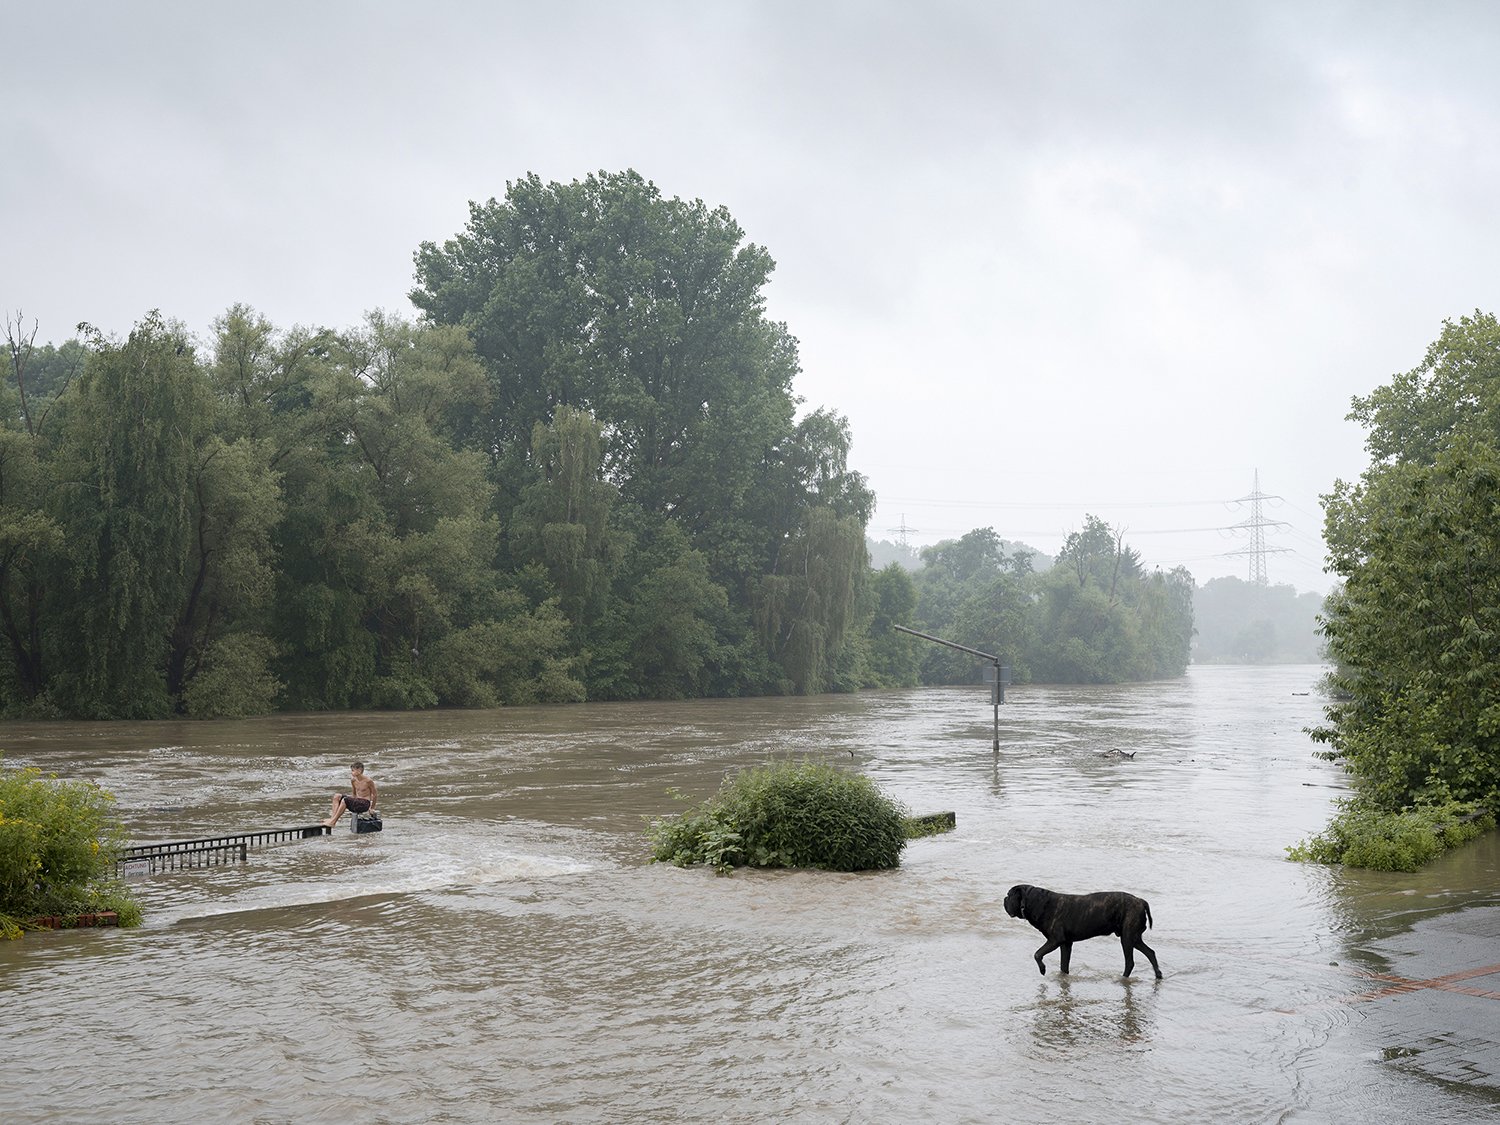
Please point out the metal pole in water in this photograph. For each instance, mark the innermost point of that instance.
(997, 696)
(997, 690)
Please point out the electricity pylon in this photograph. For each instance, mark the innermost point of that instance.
(1256, 525)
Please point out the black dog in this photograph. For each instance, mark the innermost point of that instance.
(1064, 919)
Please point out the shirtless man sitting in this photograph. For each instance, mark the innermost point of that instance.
(361, 800)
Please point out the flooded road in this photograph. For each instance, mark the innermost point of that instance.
(503, 951)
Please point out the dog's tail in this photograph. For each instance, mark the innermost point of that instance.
(1147, 905)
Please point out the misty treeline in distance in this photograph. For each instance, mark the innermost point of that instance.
(1243, 622)
(582, 474)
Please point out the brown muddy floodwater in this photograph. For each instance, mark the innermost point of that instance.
(504, 952)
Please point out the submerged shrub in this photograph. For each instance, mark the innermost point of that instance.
(58, 842)
(790, 814)
(1359, 836)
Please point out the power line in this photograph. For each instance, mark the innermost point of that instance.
(1047, 505)
(1255, 551)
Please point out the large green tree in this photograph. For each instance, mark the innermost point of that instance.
(1415, 629)
(644, 311)
(585, 471)
(603, 299)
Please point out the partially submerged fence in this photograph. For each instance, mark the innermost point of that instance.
(209, 851)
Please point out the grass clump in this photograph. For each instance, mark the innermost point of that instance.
(1359, 836)
(58, 842)
(789, 814)
(935, 824)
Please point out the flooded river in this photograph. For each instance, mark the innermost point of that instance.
(502, 951)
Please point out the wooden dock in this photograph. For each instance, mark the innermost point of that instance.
(207, 851)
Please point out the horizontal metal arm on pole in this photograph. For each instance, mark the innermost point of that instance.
(950, 644)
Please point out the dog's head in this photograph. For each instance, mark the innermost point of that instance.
(1015, 900)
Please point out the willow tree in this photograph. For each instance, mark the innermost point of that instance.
(562, 522)
(815, 511)
(32, 554)
(31, 539)
(161, 518)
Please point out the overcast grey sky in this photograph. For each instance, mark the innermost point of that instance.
(1049, 259)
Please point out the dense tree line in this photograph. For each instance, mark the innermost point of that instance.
(1095, 616)
(582, 474)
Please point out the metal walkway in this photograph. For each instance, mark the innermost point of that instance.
(209, 851)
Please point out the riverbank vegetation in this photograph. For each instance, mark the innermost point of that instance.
(1414, 629)
(1363, 836)
(582, 474)
(787, 814)
(58, 842)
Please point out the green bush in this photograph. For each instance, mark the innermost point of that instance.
(790, 814)
(1359, 836)
(58, 842)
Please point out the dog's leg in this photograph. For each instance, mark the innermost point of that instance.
(1150, 956)
(1067, 954)
(1127, 939)
(1042, 952)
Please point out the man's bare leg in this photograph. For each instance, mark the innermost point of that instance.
(338, 811)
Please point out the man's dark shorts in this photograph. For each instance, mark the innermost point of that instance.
(356, 804)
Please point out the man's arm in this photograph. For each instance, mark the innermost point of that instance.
(373, 795)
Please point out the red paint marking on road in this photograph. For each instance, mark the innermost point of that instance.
(1401, 986)
(1448, 983)
(1467, 973)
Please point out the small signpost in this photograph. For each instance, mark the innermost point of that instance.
(997, 675)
